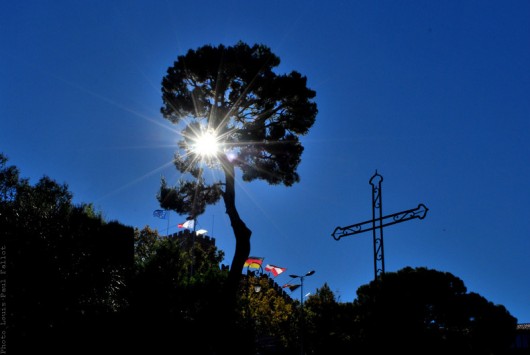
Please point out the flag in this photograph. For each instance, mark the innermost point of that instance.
(253, 262)
(189, 224)
(276, 270)
(160, 214)
(291, 287)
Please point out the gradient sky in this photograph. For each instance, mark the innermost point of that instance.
(434, 95)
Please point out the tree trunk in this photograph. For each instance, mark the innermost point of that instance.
(241, 232)
(229, 336)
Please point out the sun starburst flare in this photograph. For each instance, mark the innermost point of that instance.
(207, 145)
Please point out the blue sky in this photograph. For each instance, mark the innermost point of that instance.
(432, 95)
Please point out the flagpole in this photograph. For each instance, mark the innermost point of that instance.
(193, 244)
(167, 228)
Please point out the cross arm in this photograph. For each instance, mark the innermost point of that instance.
(419, 212)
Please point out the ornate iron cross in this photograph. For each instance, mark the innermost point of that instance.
(377, 223)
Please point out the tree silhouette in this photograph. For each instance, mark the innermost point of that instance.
(422, 311)
(232, 96)
(329, 324)
(267, 314)
(67, 267)
(169, 308)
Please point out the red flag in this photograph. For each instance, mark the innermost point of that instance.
(276, 270)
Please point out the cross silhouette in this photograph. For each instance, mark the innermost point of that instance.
(377, 223)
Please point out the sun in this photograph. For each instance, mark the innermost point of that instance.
(206, 145)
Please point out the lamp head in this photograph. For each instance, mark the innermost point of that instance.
(309, 273)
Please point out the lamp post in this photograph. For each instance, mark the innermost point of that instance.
(302, 277)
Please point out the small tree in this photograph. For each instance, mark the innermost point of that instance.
(169, 308)
(328, 323)
(235, 113)
(267, 311)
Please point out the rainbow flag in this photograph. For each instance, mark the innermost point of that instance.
(253, 262)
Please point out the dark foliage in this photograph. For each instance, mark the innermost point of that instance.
(173, 292)
(329, 325)
(420, 311)
(66, 267)
(75, 285)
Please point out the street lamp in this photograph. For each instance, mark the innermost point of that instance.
(302, 277)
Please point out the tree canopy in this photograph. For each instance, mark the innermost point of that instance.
(66, 266)
(419, 310)
(253, 113)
